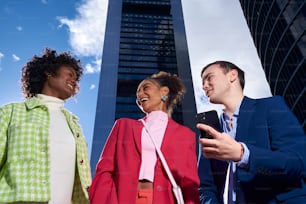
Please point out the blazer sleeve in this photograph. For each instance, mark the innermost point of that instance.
(208, 189)
(279, 153)
(103, 188)
(190, 184)
(5, 117)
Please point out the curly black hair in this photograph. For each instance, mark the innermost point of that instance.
(35, 72)
(176, 87)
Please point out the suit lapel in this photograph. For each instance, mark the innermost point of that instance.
(167, 137)
(246, 111)
(137, 132)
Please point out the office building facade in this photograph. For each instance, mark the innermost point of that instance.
(142, 37)
(278, 30)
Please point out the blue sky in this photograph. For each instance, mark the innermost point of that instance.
(216, 30)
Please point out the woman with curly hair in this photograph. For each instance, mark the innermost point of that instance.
(129, 170)
(43, 153)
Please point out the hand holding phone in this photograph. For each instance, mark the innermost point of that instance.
(209, 118)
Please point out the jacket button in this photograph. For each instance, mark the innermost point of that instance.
(78, 135)
(81, 161)
(159, 188)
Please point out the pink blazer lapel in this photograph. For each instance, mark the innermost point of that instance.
(168, 137)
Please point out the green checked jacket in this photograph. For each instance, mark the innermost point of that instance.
(24, 157)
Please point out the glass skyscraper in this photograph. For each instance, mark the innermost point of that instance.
(278, 30)
(142, 37)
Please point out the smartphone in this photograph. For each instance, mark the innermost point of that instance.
(209, 118)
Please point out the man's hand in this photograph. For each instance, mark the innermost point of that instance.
(221, 147)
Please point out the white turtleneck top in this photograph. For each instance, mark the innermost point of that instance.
(62, 152)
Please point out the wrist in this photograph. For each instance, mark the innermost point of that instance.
(241, 152)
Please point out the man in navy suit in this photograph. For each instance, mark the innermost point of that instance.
(262, 145)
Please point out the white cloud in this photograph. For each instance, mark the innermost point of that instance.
(93, 67)
(92, 86)
(87, 29)
(19, 28)
(1, 56)
(15, 58)
(89, 68)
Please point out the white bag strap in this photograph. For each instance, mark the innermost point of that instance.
(161, 156)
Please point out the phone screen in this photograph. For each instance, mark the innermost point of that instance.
(209, 118)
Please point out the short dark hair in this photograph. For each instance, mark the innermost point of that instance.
(34, 73)
(227, 66)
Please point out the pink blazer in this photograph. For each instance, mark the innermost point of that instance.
(117, 171)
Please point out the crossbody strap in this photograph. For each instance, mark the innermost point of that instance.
(161, 156)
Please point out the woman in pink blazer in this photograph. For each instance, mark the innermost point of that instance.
(129, 170)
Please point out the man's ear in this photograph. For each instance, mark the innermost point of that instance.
(165, 90)
(233, 75)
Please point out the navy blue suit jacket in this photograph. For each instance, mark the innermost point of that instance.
(276, 170)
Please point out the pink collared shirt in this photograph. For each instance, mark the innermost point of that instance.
(156, 123)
